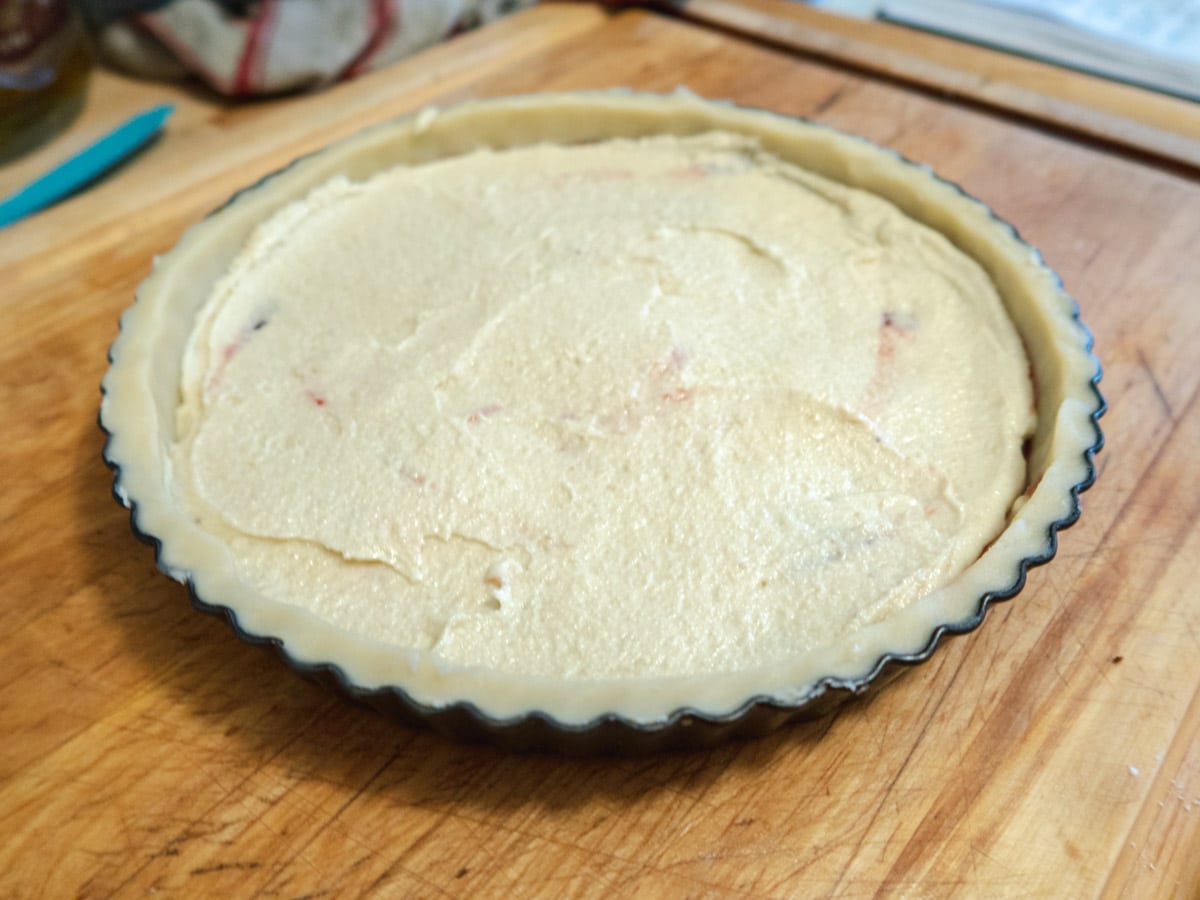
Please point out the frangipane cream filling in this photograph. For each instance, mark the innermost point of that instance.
(649, 407)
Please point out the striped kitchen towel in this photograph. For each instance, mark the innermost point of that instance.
(243, 49)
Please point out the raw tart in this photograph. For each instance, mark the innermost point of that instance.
(572, 419)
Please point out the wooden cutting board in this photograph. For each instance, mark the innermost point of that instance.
(1053, 753)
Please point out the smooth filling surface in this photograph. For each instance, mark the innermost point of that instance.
(656, 407)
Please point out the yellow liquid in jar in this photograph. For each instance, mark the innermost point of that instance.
(44, 64)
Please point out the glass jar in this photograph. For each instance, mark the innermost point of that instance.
(44, 62)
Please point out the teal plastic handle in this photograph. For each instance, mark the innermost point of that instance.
(85, 166)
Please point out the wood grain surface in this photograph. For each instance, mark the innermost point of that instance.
(1053, 753)
(1147, 122)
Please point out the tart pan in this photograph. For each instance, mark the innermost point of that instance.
(141, 389)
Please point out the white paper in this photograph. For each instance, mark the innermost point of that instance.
(1155, 43)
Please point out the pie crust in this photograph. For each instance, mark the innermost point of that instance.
(143, 386)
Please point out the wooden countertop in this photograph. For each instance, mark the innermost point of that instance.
(1053, 753)
(1157, 125)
